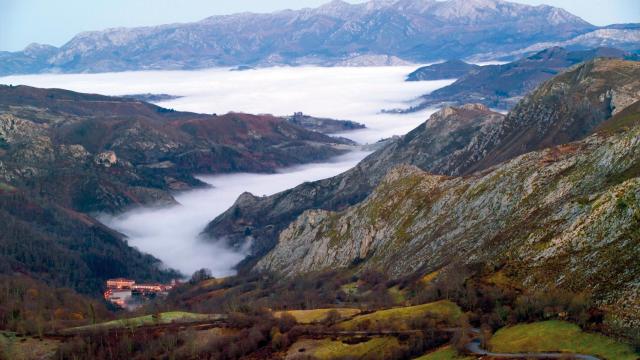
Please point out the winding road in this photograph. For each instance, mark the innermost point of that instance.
(475, 348)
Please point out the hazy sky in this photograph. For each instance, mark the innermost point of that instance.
(57, 21)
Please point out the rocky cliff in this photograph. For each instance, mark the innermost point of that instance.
(567, 216)
(564, 109)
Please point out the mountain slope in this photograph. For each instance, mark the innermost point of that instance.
(429, 146)
(455, 141)
(98, 153)
(65, 154)
(566, 217)
(565, 109)
(65, 248)
(502, 86)
(625, 37)
(417, 30)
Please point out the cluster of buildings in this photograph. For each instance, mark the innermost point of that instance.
(126, 294)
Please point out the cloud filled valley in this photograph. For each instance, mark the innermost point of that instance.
(173, 234)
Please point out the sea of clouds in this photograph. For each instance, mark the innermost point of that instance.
(173, 234)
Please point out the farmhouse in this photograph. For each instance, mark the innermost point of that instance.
(120, 283)
(125, 293)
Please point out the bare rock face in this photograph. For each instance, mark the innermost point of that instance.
(373, 60)
(564, 109)
(561, 217)
(106, 159)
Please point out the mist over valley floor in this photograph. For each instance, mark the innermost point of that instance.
(357, 94)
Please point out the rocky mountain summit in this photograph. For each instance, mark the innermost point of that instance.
(372, 33)
(98, 153)
(453, 142)
(503, 86)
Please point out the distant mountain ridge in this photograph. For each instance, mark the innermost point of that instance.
(621, 36)
(503, 86)
(413, 30)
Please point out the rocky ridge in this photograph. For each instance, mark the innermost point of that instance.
(567, 216)
(623, 37)
(433, 146)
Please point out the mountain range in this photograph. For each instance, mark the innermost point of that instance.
(503, 86)
(412, 30)
(506, 225)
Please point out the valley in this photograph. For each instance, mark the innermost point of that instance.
(378, 180)
(173, 233)
(326, 284)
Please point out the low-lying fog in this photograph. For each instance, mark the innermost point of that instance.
(347, 93)
(172, 234)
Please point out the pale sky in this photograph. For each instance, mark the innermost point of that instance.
(57, 21)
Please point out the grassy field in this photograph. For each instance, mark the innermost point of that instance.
(316, 315)
(375, 348)
(445, 353)
(444, 310)
(26, 348)
(399, 296)
(165, 318)
(559, 336)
